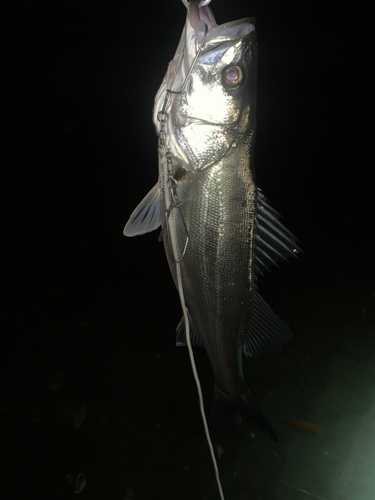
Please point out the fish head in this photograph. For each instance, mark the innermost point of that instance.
(213, 82)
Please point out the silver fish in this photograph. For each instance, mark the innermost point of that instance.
(215, 221)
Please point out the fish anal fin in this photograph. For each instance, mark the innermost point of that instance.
(195, 338)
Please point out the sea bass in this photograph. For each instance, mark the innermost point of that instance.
(215, 222)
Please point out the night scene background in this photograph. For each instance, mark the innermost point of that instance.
(96, 400)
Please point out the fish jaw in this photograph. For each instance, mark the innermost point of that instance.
(198, 20)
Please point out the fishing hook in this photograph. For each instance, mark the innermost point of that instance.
(191, 67)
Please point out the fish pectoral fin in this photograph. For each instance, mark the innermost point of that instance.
(147, 216)
(265, 331)
(195, 338)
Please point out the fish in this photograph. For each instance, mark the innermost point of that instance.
(216, 223)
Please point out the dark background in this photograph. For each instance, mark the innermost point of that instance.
(87, 315)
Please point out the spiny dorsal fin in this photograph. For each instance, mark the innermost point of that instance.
(274, 242)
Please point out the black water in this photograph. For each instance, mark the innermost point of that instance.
(92, 382)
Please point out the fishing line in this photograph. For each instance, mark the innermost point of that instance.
(171, 201)
(196, 377)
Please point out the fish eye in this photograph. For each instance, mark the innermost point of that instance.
(232, 77)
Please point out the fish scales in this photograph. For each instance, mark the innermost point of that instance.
(217, 269)
(215, 220)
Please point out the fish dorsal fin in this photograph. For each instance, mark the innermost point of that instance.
(147, 216)
(195, 338)
(265, 331)
(274, 242)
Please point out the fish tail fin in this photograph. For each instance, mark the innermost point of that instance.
(228, 412)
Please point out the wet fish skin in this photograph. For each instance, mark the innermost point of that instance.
(210, 133)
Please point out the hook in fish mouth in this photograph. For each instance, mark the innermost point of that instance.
(199, 11)
(201, 3)
(200, 19)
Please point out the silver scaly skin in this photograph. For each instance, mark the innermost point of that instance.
(206, 153)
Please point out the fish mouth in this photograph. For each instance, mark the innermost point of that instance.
(199, 21)
(199, 15)
(203, 33)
